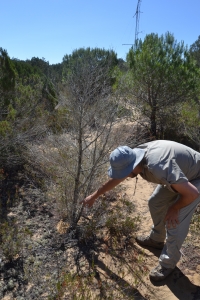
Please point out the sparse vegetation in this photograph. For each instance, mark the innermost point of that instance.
(58, 125)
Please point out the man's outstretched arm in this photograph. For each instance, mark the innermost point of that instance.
(107, 186)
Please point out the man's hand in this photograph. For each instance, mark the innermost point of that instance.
(171, 217)
(88, 201)
(187, 194)
(107, 186)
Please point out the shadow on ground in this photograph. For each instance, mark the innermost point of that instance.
(180, 286)
(178, 283)
(125, 287)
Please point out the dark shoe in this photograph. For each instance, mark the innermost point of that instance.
(159, 273)
(147, 241)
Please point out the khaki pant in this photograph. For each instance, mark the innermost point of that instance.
(159, 202)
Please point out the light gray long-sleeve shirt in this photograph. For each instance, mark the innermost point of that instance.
(167, 162)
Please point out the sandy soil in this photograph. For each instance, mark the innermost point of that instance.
(184, 283)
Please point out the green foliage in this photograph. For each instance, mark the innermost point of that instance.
(7, 73)
(97, 56)
(25, 69)
(55, 73)
(195, 50)
(190, 121)
(49, 95)
(7, 83)
(163, 75)
(12, 239)
(117, 75)
(26, 98)
(190, 114)
(118, 226)
(4, 128)
(34, 66)
(61, 120)
(34, 71)
(81, 66)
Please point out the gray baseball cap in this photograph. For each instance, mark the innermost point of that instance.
(123, 160)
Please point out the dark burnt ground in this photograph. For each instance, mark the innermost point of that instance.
(32, 254)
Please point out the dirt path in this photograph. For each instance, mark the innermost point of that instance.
(184, 283)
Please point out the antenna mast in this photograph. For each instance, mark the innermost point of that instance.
(137, 14)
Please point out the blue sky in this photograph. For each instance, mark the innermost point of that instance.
(52, 28)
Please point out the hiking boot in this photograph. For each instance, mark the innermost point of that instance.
(159, 273)
(147, 241)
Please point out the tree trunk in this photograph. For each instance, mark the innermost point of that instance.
(153, 119)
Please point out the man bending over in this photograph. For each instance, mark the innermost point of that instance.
(176, 170)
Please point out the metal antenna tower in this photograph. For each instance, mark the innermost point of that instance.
(137, 14)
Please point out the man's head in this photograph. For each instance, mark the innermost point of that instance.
(123, 160)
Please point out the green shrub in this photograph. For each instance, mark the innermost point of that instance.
(12, 239)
